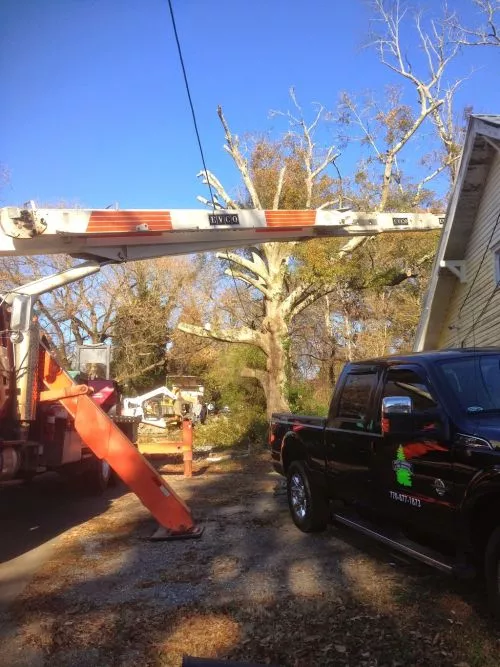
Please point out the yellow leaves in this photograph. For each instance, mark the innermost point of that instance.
(268, 157)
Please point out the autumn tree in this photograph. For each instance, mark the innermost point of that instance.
(132, 307)
(146, 314)
(292, 173)
(75, 314)
(375, 305)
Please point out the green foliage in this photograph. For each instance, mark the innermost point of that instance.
(244, 427)
(303, 399)
(224, 382)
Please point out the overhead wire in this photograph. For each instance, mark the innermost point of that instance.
(191, 105)
(198, 137)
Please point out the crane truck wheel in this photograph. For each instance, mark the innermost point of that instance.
(98, 477)
(308, 505)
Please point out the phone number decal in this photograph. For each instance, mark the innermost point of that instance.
(404, 498)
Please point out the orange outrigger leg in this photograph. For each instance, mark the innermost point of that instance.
(108, 442)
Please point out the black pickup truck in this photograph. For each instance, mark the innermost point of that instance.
(409, 454)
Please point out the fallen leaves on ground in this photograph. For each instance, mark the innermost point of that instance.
(383, 616)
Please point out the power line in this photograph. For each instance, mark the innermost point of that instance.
(193, 114)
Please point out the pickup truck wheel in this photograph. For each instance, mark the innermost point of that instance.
(308, 505)
(492, 571)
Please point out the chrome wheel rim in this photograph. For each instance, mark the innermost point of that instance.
(298, 496)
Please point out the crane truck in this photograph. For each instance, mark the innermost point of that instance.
(50, 422)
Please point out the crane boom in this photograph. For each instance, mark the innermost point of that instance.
(128, 235)
(109, 236)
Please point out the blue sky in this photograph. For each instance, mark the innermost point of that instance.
(94, 108)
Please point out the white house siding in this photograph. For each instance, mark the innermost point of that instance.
(478, 323)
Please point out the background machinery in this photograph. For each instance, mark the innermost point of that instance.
(150, 409)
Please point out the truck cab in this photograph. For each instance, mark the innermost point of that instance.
(408, 454)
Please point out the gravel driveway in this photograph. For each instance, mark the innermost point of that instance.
(252, 588)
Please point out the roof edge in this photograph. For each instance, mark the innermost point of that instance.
(477, 125)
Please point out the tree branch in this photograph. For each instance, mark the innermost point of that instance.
(142, 371)
(242, 335)
(487, 35)
(351, 245)
(327, 204)
(258, 268)
(293, 299)
(279, 188)
(233, 148)
(218, 187)
(433, 174)
(256, 373)
(308, 300)
(258, 284)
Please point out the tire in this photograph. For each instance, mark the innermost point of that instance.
(98, 477)
(307, 503)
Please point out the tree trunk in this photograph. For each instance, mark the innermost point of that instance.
(386, 181)
(276, 377)
(276, 363)
(331, 344)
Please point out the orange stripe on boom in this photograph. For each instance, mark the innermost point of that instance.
(290, 218)
(128, 221)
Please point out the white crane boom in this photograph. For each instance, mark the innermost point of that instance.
(126, 235)
(108, 236)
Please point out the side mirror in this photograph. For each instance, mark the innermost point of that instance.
(397, 414)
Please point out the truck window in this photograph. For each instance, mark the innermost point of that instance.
(405, 382)
(354, 403)
(475, 382)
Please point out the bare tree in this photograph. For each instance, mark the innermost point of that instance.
(273, 292)
(486, 33)
(145, 316)
(265, 269)
(72, 315)
(399, 123)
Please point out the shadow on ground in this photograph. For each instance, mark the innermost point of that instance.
(253, 588)
(34, 513)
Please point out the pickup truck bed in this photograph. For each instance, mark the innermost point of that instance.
(284, 423)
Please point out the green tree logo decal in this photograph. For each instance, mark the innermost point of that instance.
(403, 469)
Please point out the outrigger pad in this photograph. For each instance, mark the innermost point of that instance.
(162, 534)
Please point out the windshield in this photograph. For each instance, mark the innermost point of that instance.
(475, 382)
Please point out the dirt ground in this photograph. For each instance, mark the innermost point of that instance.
(253, 588)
